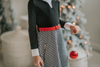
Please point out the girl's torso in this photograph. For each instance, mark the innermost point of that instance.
(46, 16)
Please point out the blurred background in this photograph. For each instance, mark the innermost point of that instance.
(14, 26)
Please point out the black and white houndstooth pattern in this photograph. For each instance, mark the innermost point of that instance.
(51, 58)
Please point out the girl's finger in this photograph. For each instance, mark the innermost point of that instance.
(38, 65)
(42, 63)
(78, 29)
(74, 31)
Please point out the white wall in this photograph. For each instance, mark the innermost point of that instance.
(20, 8)
(91, 10)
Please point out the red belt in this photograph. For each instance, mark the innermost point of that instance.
(49, 28)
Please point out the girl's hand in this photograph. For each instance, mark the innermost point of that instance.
(38, 61)
(74, 29)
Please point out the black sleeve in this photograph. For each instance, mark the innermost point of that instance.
(61, 21)
(32, 25)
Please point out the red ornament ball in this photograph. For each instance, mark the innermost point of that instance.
(73, 54)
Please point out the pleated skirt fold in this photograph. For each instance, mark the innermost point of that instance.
(52, 48)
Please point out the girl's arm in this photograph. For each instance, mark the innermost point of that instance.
(32, 28)
(65, 24)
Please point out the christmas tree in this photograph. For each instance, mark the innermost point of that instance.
(69, 11)
(4, 24)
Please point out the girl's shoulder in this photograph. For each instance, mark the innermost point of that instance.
(32, 3)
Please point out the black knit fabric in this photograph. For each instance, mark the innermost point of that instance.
(42, 15)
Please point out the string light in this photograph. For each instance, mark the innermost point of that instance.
(74, 23)
(85, 42)
(69, 41)
(73, 7)
(80, 36)
(77, 17)
(62, 6)
(68, 6)
(78, 21)
(60, 9)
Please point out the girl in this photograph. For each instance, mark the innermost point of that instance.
(46, 40)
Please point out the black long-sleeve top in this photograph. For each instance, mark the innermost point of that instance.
(42, 15)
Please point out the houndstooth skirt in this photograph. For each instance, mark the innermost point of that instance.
(52, 49)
